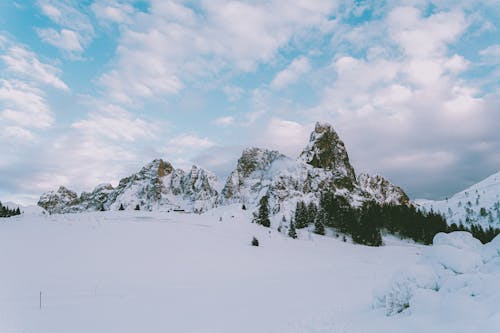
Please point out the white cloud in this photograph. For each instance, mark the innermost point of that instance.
(24, 63)
(404, 110)
(172, 44)
(286, 136)
(491, 54)
(112, 11)
(292, 73)
(18, 133)
(76, 30)
(114, 123)
(224, 121)
(191, 142)
(23, 105)
(66, 39)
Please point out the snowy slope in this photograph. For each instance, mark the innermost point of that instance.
(171, 272)
(478, 204)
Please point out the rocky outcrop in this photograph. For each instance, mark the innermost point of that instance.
(381, 190)
(158, 185)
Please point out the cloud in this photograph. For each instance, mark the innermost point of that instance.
(23, 105)
(114, 123)
(160, 51)
(76, 30)
(404, 109)
(292, 73)
(18, 133)
(190, 141)
(286, 136)
(491, 54)
(18, 60)
(112, 11)
(224, 121)
(66, 39)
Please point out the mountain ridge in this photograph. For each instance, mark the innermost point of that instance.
(322, 165)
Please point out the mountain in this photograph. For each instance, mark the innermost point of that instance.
(158, 185)
(322, 165)
(477, 205)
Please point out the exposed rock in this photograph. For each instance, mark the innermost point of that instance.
(382, 191)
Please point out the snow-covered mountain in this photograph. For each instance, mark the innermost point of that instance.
(478, 204)
(322, 165)
(158, 185)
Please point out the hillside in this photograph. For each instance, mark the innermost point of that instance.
(477, 205)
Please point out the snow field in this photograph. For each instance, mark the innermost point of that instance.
(172, 272)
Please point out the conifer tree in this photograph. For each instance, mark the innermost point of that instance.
(291, 231)
(137, 207)
(301, 215)
(319, 227)
(121, 207)
(263, 214)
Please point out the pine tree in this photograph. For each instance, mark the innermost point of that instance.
(121, 207)
(319, 227)
(137, 207)
(301, 215)
(291, 231)
(262, 217)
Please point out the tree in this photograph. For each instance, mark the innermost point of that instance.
(262, 217)
(243, 207)
(137, 207)
(255, 242)
(319, 227)
(291, 231)
(121, 207)
(301, 219)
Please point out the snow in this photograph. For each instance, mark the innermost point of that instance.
(465, 207)
(132, 271)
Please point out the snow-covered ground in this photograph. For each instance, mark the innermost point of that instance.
(173, 272)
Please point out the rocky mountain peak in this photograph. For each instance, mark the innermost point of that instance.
(55, 201)
(326, 150)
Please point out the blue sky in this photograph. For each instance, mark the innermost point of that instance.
(92, 90)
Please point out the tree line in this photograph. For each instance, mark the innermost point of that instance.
(7, 212)
(366, 223)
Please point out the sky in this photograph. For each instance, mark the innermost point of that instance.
(90, 91)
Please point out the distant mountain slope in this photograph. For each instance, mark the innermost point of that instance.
(478, 204)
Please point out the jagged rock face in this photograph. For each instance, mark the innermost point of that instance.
(252, 169)
(57, 201)
(326, 151)
(97, 199)
(322, 166)
(382, 191)
(156, 186)
(264, 172)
